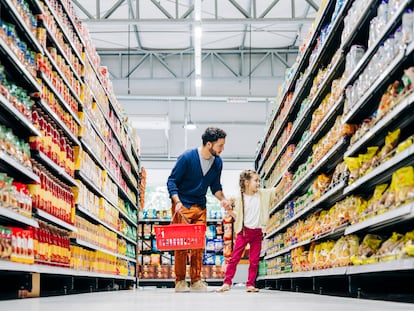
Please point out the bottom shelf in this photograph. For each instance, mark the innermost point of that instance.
(385, 281)
(45, 269)
(24, 280)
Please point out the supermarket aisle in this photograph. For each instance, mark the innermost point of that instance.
(166, 299)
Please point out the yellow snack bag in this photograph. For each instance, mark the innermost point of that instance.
(405, 144)
(354, 165)
(367, 160)
(391, 141)
(403, 182)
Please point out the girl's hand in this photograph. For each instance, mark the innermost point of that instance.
(225, 204)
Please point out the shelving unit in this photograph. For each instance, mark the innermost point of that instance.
(286, 157)
(58, 49)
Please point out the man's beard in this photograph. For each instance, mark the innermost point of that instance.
(213, 152)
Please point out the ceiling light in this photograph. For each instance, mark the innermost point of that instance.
(198, 82)
(147, 122)
(198, 32)
(190, 125)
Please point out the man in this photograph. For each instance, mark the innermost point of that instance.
(195, 171)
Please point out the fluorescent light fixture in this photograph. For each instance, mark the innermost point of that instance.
(198, 31)
(146, 122)
(237, 100)
(198, 82)
(190, 125)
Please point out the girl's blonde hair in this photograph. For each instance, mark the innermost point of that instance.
(245, 175)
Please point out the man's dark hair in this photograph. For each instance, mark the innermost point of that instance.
(213, 134)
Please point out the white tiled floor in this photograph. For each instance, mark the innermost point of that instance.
(151, 299)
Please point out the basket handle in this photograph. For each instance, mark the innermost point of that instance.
(182, 215)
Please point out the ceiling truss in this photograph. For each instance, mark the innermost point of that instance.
(237, 68)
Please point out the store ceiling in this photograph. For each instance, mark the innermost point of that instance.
(247, 45)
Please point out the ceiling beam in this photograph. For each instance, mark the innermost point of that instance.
(313, 4)
(206, 21)
(240, 9)
(269, 8)
(85, 11)
(188, 12)
(292, 50)
(113, 9)
(162, 9)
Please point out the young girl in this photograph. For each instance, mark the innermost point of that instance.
(251, 213)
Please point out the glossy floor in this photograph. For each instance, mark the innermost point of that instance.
(149, 299)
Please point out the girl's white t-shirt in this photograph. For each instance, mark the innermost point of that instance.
(252, 211)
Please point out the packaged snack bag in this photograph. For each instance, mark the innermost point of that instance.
(403, 180)
(367, 160)
(392, 248)
(367, 249)
(408, 247)
(354, 165)
(374, 203)
(391, 141)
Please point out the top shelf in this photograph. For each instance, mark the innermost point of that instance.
(303, 61)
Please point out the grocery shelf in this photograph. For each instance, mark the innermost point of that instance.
(103, 223)
(38, 268)
(91, 185)
(59, 97)
(99, 192)
(332, 234)
(62, 52)
(58, 121)
(15, 216)
(127, 176)
(92, 154)
(393, 265)
(22, 24)
(328, 198)
(62, 76)
(382, 172)
(383, 220)
(292, 82)
(371, 5)
(18, 116)
(286, 249)
(375, 46)
(307, 274)
(14, 165)
(103, 166)
(63, 30)
(21, 68)
(300, 153)
(316, 33)
(333, 156)
(358, 109)
(45, 215)
(103, 250)
(74, 24)
(402, 109)
(327, 119)
(64, 176)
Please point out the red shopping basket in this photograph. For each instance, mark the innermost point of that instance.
(180, 236)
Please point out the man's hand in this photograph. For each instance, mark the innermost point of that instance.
(178, 206)
(226, 204)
